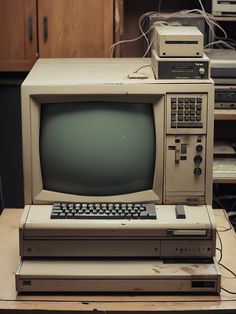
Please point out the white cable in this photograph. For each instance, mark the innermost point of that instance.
(214, 23)
(142, 17)
(208, 18)
(143, 34)
(219, 42)
(122, 42)
(149, 46)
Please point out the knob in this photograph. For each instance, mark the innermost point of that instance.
(199, 148)
(197, 171)
(197, 159)
(201, 71)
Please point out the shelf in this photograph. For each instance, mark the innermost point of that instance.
(224, 18)
(225, 114)
(224, 180)
(224, 170)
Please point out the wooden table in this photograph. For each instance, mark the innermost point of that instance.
(11, 302)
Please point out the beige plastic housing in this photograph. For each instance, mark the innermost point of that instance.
(114, 275)
(63, 80)
(178, 41)
(223, 8)
(166, 236)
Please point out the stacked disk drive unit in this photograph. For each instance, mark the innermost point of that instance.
(177, 53)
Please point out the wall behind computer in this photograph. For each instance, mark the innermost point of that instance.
(11, 174)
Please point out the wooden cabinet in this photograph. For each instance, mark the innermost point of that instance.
(75, 28)
(53, 29)
(18, 41)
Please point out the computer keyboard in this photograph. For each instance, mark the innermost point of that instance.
(103, 211)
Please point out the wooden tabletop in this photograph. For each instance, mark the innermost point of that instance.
(12, 302)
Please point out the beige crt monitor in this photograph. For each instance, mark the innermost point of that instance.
(160, 152)
(175, 143)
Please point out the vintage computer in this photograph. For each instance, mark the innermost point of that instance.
(117, 179)
(86, 124)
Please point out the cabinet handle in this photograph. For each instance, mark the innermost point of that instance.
(45, 28)
(30, 28)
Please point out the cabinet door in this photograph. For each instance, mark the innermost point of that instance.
(75, 28)
(18, 42)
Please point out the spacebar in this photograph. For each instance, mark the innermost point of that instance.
(96, 216)
(109, 217)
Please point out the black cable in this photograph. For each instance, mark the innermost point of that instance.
(222, 265)
(228, 269)
(221, 247)
(231, 292)
(220, 254)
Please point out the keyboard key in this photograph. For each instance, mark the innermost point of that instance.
(54, 216)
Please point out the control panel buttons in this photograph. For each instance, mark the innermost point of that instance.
(186, 112)
(197, 159)
(199, 148)
(197, 171)
(201, 71)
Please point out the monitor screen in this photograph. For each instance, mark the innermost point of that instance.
(97, 148)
